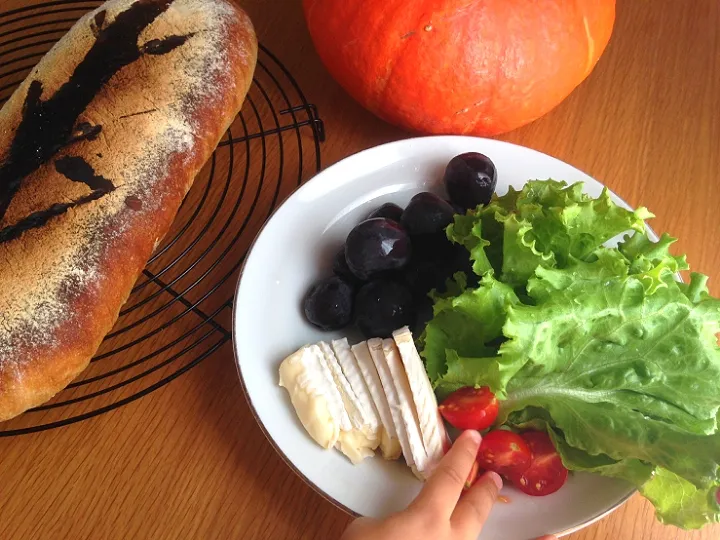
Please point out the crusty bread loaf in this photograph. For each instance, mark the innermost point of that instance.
(98, 147)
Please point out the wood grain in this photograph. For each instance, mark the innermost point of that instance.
(189, 461)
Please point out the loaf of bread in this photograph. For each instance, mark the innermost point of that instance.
(98, 148)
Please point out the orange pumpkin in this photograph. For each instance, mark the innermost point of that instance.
(478, 67)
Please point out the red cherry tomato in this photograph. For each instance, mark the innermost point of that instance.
(470, 408)
(546, 472)
(504, 452)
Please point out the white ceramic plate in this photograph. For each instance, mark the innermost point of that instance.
(296, 248)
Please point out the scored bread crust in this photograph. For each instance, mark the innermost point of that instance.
(78, 231)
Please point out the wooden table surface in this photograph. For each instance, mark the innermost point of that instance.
(189, 461)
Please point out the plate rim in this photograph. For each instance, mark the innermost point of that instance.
(302, 187)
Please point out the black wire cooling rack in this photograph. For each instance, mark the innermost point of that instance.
(179, 311)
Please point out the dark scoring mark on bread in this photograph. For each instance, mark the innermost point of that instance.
(97, 23)
(85, 131)
(77, 169)
(149, 111)
(47, 125)
(165, 45)
(38, 219)
(100, 19)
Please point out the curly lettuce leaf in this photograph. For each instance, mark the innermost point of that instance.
(467, 231)
(652, 260)
(467, 325)
(467, 371)
(697, 289)
(521, 252)
(606, 264)
(680, 503)
(634, 471)
(589, 224)
(644, 254)
(550, 194)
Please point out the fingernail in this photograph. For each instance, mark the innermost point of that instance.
(474, 436)
(495, 477)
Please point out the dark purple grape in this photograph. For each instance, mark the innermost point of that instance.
(341, 268)
(383, 306)
(375, 246)
(426, 213)
(433, 247)
(426, 273)
(329, 304)
(423, 315)
(389, 211)
(423, 276)
(470, 179)
(457, 208)
(418, 276)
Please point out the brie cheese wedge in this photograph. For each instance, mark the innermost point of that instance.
(389, 442)
(314, 395)
(432, 429)
(373, 394)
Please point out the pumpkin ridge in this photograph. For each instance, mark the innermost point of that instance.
(591, 46)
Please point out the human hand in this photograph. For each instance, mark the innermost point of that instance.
(441, 511)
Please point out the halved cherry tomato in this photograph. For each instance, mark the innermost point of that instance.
(504, 452)
(546, 472)
(470, 408)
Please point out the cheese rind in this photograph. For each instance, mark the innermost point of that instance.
(368, 413)
(432, 430)
(378, 356)
(413, 448)
(389, 442)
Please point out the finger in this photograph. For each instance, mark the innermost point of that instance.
(548, 537)
(474, 508)
(442, 491)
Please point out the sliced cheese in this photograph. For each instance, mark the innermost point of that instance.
(355, 443)
(378, 356)
(432, 429)
(389, 442)
(368, 413)
(407, 408)
(314, 395)
(388, 364)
